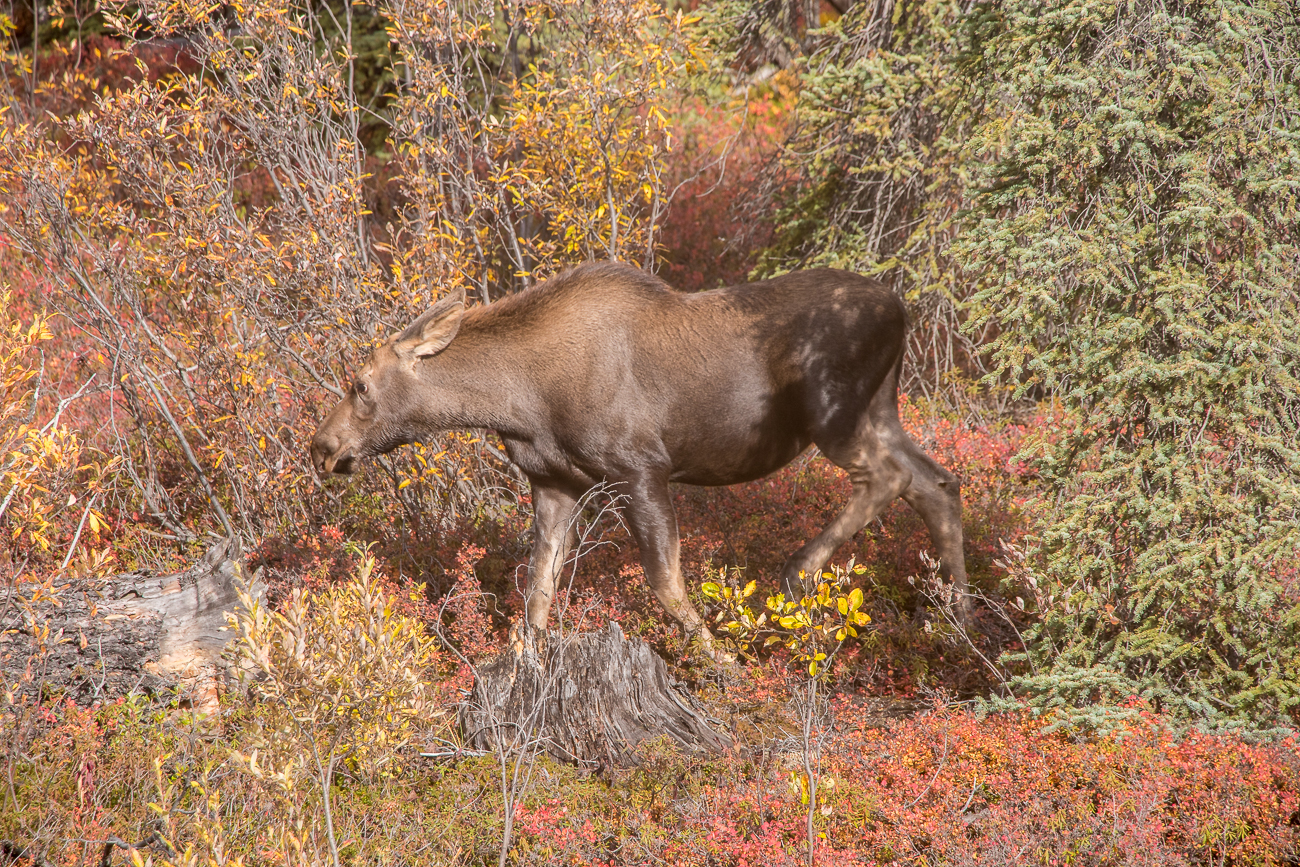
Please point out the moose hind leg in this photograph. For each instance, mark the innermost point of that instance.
(935, 494)
(878, 478)
(554, 534)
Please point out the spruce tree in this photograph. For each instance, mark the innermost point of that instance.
(1136, 232)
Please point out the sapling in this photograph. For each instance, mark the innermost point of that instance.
(814, 628)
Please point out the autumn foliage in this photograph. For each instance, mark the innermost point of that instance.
(208, 215)
(944, 787)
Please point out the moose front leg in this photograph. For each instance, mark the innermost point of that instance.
(653, 522)
(554, 534)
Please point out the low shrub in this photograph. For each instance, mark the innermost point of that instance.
(946, 787)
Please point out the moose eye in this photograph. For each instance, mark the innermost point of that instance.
(361, 388)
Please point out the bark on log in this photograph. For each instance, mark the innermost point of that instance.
(136, 633)
(588, 700)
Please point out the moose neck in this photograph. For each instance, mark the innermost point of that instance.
(476, 383)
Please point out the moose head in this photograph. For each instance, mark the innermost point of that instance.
(381, 409)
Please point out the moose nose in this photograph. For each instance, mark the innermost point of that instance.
(322, 446)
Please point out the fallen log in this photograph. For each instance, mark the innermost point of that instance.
(134, 633)
(588, 699)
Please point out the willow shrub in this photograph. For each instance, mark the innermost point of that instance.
(1136, 228)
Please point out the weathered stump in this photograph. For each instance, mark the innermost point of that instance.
(589, 699)
(134, 633)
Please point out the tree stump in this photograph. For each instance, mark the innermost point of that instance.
(135, 633)
(587, 699)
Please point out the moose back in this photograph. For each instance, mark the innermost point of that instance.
(606, 375)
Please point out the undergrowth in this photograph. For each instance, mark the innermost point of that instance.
(942, 787)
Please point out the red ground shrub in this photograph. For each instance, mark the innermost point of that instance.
(947, 788)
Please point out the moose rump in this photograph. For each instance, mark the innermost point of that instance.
(606, 375)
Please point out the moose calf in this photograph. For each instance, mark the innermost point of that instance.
(606, 375)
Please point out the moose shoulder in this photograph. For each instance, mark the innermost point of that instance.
(605, 374)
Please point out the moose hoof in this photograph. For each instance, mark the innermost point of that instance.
(714, 650)
(723, 657)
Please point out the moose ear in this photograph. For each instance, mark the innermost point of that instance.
(431, 333)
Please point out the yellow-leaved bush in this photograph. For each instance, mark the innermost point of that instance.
(227, 231)
(50, 483)
(813, 627)
(330, 683)
(336, 676)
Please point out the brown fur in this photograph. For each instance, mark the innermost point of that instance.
(605, 374)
